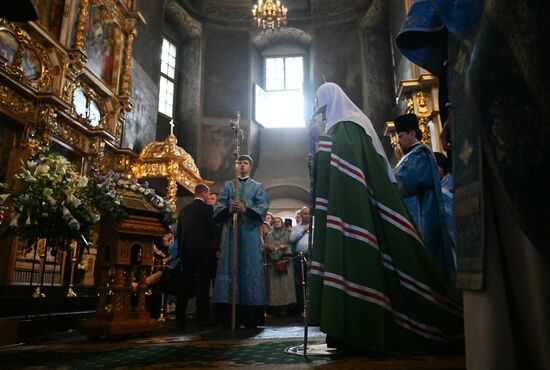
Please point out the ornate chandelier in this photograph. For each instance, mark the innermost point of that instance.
(267, 14)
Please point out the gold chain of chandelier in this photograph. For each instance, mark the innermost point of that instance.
(267, 14)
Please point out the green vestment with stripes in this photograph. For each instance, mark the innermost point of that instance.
(372, 282)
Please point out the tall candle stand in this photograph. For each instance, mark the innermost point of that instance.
(162, 319)
(303, 261)
(74, 253)
(38, 292)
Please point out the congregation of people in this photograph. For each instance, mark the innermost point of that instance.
(284, 266)
(194, 260)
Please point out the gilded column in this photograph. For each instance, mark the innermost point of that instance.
(130, 31)
(424, 115)
(172, 184)
(82, 24)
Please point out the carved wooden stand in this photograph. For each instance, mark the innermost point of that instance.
(126, 254)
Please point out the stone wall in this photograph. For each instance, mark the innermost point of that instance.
(378, 78)
(337, 58)
(218, 70)
(226, 72)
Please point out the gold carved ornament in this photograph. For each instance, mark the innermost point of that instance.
(72, 68)
(420, 97)
(27, 48)
(165, 159)
(410, 104)
(392, 134)
(14, 102)
(424, 115)
(38, 131)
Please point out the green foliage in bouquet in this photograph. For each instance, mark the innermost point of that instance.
(113, 183)
(52, 200)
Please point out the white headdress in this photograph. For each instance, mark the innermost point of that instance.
(340, 108)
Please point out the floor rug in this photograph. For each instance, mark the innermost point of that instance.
(187, 353)
(277, 347)
(190, 352)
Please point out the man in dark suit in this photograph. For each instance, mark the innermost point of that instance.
(196, 229)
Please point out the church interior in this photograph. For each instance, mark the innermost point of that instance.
(163, 93)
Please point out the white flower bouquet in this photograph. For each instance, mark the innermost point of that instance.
(50, 201)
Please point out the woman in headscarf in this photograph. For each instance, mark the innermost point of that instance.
(372, 285)
(264, 230)
(280, 269)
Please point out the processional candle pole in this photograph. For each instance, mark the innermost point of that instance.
(312, 159)
(235, 125)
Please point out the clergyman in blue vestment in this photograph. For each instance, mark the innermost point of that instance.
(251, 207)
(419, 184)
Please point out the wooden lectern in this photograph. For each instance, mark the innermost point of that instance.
(125, 255)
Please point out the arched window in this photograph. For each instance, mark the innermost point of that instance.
(281, 103)
(281, 70)
(167, 78)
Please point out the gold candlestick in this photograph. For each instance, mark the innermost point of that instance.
(162, 319)
(70, 292)
(38, 293)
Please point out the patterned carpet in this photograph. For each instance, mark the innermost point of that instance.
(206, 348)
(196, 353)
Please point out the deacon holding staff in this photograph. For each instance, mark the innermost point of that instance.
(251, 208)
